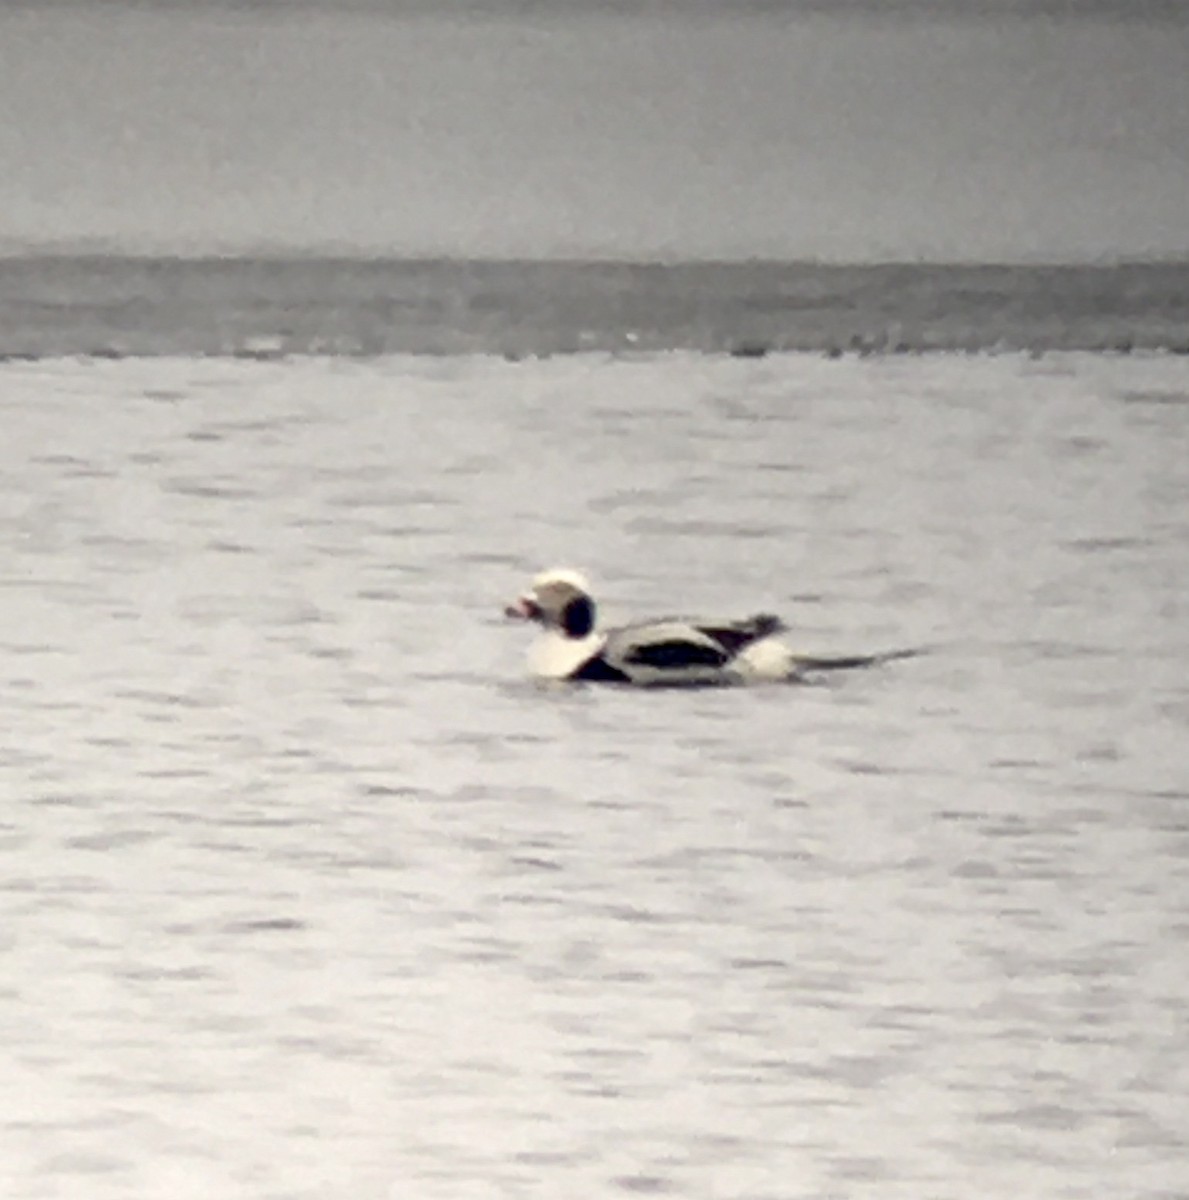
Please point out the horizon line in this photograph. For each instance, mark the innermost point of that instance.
(98, 249)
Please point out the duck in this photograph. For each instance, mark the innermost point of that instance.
(669, 651)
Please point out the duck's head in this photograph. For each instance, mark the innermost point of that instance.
(558, 599)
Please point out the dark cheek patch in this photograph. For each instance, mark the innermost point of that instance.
(578, 617)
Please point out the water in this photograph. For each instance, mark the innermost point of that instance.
(356, 307)
(308, 892)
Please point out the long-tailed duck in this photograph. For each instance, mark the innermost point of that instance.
(672, 651)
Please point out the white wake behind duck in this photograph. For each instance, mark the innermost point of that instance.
(671, 651)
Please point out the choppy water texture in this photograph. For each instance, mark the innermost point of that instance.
(308, 893)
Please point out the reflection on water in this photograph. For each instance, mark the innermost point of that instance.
(307, 889)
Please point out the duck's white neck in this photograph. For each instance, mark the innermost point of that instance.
(555, 656)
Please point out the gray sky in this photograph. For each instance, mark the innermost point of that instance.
(664, 128)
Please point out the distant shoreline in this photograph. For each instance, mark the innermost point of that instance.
(90, 252)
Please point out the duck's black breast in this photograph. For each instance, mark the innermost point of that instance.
(599, 670)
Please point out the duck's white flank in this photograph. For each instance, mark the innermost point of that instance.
(769, 660)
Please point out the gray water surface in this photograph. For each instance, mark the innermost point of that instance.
(308, 892)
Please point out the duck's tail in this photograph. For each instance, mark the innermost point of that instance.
(851, 662)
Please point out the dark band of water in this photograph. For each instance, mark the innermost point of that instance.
(112, 307)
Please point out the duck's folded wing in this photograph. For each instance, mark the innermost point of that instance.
(733, 636)
(665, 652)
